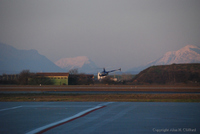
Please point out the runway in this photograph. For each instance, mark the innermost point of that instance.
(99, 117)
(118, 92)
(94, 92)
(111, 87)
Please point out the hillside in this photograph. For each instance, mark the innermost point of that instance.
(169, 74)
(13, 61)
(187, 54)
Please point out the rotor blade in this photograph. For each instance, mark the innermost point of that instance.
(114, 70)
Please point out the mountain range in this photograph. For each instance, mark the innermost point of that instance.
(82, 63)
(13, 61)
(187, 54)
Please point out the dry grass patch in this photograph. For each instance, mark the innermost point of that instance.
(103, 97)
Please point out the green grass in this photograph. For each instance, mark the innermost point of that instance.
(102, 97)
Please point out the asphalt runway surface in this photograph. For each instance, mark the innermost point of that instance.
(99, 117)
(94, 92)
(117, 92)
(93, 87)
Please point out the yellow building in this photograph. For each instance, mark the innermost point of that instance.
(56, 78)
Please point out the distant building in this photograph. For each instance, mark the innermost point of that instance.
(50, 79)
(56, 78)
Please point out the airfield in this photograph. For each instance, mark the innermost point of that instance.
(99, 109)
(99, 117)
(127, 93)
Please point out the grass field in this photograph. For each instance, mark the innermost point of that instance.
(101, 97)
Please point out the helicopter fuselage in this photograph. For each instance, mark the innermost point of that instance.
(105, 73)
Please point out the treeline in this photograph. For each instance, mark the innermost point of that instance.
(163, 74)
(28, 78)
(25, 78)
(169, 74)
(80, 79)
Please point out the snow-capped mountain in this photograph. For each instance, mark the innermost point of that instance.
(187, 54)
(83, 63)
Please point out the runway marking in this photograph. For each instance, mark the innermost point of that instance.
(49, 106)
(66, 120)
(106, 103)
(10, 108)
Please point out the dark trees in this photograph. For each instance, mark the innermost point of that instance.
(23, 77)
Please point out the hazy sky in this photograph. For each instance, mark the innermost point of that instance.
(112, 33)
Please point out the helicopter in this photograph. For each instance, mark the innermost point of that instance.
(104, 73)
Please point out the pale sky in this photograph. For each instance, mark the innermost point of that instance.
(112, 33)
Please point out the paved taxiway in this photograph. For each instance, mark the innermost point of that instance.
(35, 88)
(94, 92)
(99, 117)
